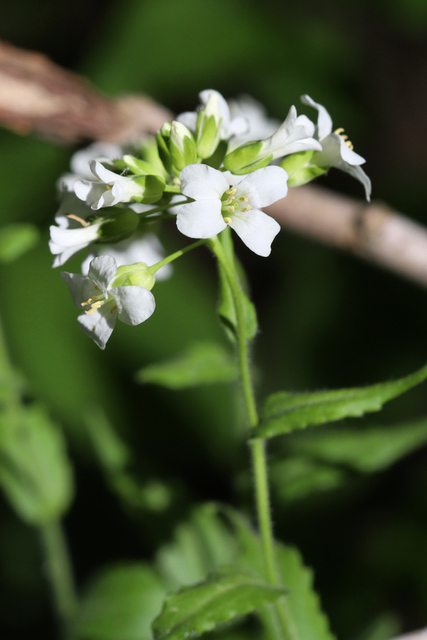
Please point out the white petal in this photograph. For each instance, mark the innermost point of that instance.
(134, 304)
(201, 219)
(105, 199)
(335, 151)
(189, 119)
(224, 109)
(256, 229)
(81, 159)
(62, 255)
(264, 186)
(103, 174)
(100, 324)
(90, 192)
(71, 237)
(358, 173)
(77, 286)
(102, 270)
(293, 135)
(324, 120)
(70, 203)
(201, 182)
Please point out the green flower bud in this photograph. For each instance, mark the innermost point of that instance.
(246, 158)
(182, 146)
(137, 166)
(134, 274)
(119, 225)
(208, 129)
(299, 169)
(163, 138)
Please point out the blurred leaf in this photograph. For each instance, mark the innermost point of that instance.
(304, 615)
(386, 625)
(225, 595)
(201, 363)
(120, 604)
(200, 546)
(16, 239)
(296, 478)
(367, 449)
(283, 412)
(35, 473)
(112, 452)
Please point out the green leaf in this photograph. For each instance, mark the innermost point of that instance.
(201, 363)
(120, 604)
(16, 239)
(284, 412)
(226, 594)
(367, 449)
(226, 309)
(35, 473)
(297, 477)
(304, 617)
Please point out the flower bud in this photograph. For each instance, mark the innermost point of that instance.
(208, 129)
(247, 158)
(134, 274)
(138, 166)
(163, 138)
(182, 146)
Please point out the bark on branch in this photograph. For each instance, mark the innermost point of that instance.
(37, 96)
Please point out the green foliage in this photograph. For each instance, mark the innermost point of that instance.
(201, 363)
(35, 473)
(120, 604)
(228, 593)
(16, 239)
(284, 412)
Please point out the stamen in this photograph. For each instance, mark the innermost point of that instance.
(245, 209)
(88, 301)
(243, 199)
(96, 305)
(349, 144)
(230, 209)
(229, 200)
(108, 187)
(231, 192)
(77, 219)
(113, 308)
(339, 131)
(227, 220)
(89, 311)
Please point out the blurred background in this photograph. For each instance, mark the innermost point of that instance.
(327, 319)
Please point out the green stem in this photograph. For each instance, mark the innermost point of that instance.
(173, 256)
(162, 208)
(257, 445)
(59, 573)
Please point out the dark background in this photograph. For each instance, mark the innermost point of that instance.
(326, 319)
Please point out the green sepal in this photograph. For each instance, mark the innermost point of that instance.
(217, 158)
(153, 186)
(226, 594)
(182, 146)
(138, 166)
(163, 150)
(284, 412)
(134, 274)
(201, 363)
(208, 137)
(119, 225)
(299, 169)
(246, 158)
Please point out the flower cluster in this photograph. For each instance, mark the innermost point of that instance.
(209, 169)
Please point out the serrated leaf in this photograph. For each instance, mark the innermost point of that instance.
(305, 619)
(226, 309)
(284, 412)
(201, 363)
(120, 604)
(35, 473)
(225, 595)
(16, 239)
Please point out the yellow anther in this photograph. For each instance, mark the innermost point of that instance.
(230, 209)
(227, 220)
(96, 287)
(112, 310)
(77, 219)
(108, 187)
(344, 137)
(229, 200)
(89, 311)
(349, 144)
(231, 192)
(96, 305)
(245, 209)
(88, 301)
(243, 199)
(339, 131)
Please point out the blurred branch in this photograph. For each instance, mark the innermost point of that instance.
(37, 96)
(417, 635)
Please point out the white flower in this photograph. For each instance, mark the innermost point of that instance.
(229, 126)
(260, 125)
(295, 134)
(80, 161)
(223, 199)
(337, 150)
(73, 232)
(104, 298)
(109, 188)
(146, 249)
